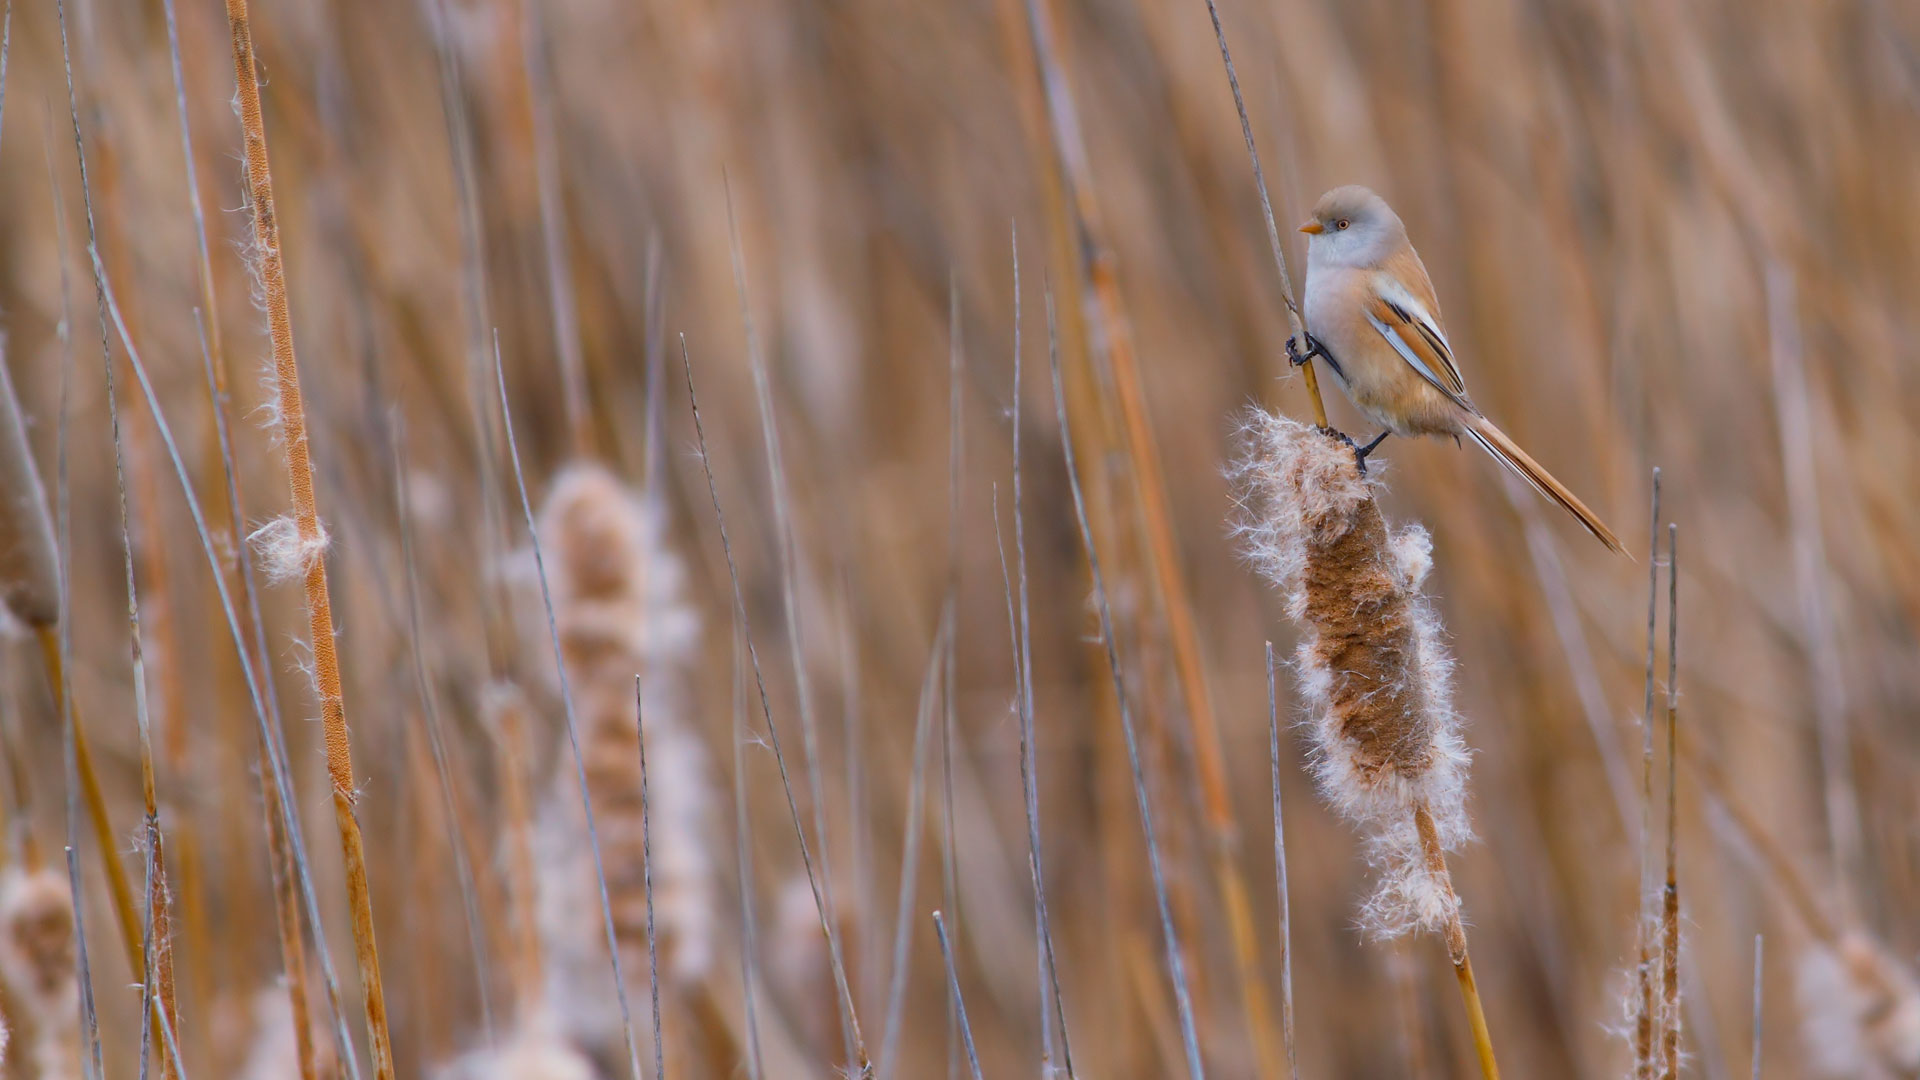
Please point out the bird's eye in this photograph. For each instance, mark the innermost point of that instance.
(1342, 223)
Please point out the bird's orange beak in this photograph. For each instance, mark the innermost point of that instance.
(1312, 227)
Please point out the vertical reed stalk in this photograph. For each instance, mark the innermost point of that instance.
(312, 541)
(1670, 907)
(1294, 324)
(1280, 871)
(286, 899)
(1642, 1003)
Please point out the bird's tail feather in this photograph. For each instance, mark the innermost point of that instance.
(1495, 442)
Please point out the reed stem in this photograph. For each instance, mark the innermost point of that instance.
(1456, 939)
(326, 662)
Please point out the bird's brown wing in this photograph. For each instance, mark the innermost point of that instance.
(1399, 319)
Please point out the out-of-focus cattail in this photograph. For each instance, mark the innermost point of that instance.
(29, 578)
(36, 966)
(1377, 681)
(1860, 1011)
(535, 1051)
(273, 1053)
(797, 964)
(505, 714)
(617, 605)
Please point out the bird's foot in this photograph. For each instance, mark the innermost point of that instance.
(1314, 348)
(1362, 452)
(1359, 455)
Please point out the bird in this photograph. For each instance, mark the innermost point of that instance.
(1373, 316)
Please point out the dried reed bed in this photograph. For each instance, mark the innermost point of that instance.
(1673, 235)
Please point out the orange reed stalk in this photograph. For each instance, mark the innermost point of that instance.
(311, 540)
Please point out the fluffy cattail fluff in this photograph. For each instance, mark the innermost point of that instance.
(617, 604)
(1376, 680)
(36, 967)
(534, 1051)
(1860, 1011)
(29, 582)
(285, 555)
(273, 1053)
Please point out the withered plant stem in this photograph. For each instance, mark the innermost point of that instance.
(1176, 965)
(1280, 870)
(1670, 908)
(135, 933)
(1456, 939)
(1294, 322)
(326, 661)
(1643, 1021)
(282, 870)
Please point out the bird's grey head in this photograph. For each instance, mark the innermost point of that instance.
(1351, 226)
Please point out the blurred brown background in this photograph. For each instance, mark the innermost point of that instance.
(1664, 235)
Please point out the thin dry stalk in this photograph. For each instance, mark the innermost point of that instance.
(436, 740)
(286, 911)
(1280, 870)
(155, 967)
(1294, 322)
(312, 540)
(1670, 910)
(959, 1003)
(1759, 998)
(1641, 1005)
(646, 866)
(553, 232)
(789, 559)
(910, 857)
(1100, 275)
(57, 645)
(1176, 965)
(1051, 1007)
(51, 654)
(862, 1066)
(276, 750)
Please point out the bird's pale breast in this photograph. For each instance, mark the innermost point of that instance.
(1379, 382)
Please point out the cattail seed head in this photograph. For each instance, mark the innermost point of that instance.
(37, 967)
(1376, 679)
(618, 608)
(1860, 1011)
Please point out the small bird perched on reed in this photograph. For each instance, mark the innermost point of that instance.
(1373, 316)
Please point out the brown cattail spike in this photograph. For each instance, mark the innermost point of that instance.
(1371, 667)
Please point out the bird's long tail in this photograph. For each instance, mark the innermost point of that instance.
(1495, 442)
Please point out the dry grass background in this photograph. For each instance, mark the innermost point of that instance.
(1673, 235)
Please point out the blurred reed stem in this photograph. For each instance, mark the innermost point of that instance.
(326, 662)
